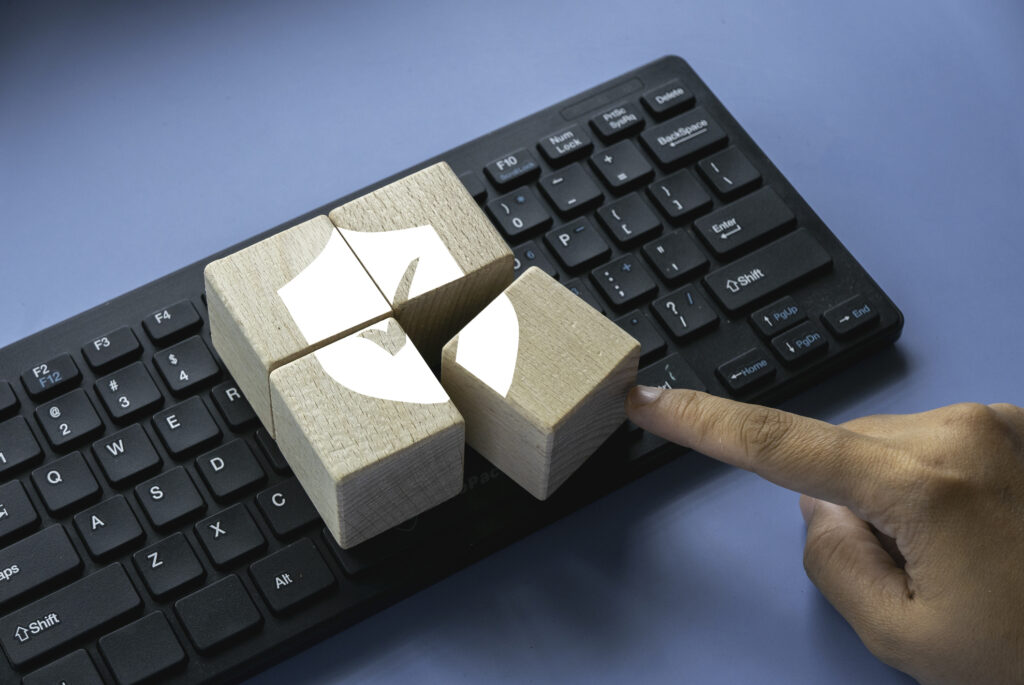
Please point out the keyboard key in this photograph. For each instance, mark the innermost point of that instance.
(777, 317)
(680, 196)
(618, 122)
(8, 400)
(622, 166)
(129, 393)
(640, 327)
(800, 344)
(670, 373)
(17, 515)
(126, 455)
(272, 451)
(172, 323)
(52, 377)
(565, 145)
(186, 428)
(681, 139)
(109, 527)
(577, 244)
(170, 498)
(474, 186)
(623, 281)
(230, 535)
(675, 256)
(752, 368)
(66, 484)
(233, 406)
(230, 470)
(581, 291)
(527, 255)
(519, 213)
(187, 366)
(142, 650)
(685, 312)
(169, 566)
(112, 350)
(18, 447)
(667, 99)
(743, 223)
(41, 560)
(729, 172)
(850, 317)
(292, 576)
(69, 614)
(765, 272)
(68, 420)
(629, 219)
(571, 190)
(218, 614)
(287, 508)
(513, 169)
(74, 669)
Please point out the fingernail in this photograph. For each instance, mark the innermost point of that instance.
(643, 395)
(807, 505)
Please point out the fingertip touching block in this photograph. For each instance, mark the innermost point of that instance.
(280, 298)
(431, 250)
(369, 432)
(541, 379)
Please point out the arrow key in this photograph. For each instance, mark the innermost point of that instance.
(800, 344)
(851, 317)
(752, 368)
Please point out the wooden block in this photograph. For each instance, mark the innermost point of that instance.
(431, 250)
(541, 379)
(369, 431)
(274, 301)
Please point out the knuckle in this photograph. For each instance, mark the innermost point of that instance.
(973, 418)
(821, 551)
(969, 453)
(762, 430)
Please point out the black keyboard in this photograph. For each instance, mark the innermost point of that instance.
(132, 551)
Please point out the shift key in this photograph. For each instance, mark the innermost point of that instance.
(767, 271)
(74, 611)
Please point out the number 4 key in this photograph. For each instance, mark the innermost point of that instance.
(187, 366)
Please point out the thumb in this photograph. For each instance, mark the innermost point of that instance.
(848, 564)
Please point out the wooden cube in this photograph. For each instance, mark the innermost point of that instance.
(276, 300)
(369, 431)
(541, 378)
(431, 250)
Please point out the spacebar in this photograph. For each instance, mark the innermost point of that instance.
(67, 614)
(765, 272)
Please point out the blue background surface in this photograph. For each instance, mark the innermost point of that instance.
(136, 138)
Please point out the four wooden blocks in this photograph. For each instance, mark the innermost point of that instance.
(541, 379)
(328, 328)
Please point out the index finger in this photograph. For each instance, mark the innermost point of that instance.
(799, 453)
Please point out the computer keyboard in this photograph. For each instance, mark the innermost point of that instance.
(151, 529)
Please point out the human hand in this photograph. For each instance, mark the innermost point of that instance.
(945, 491)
